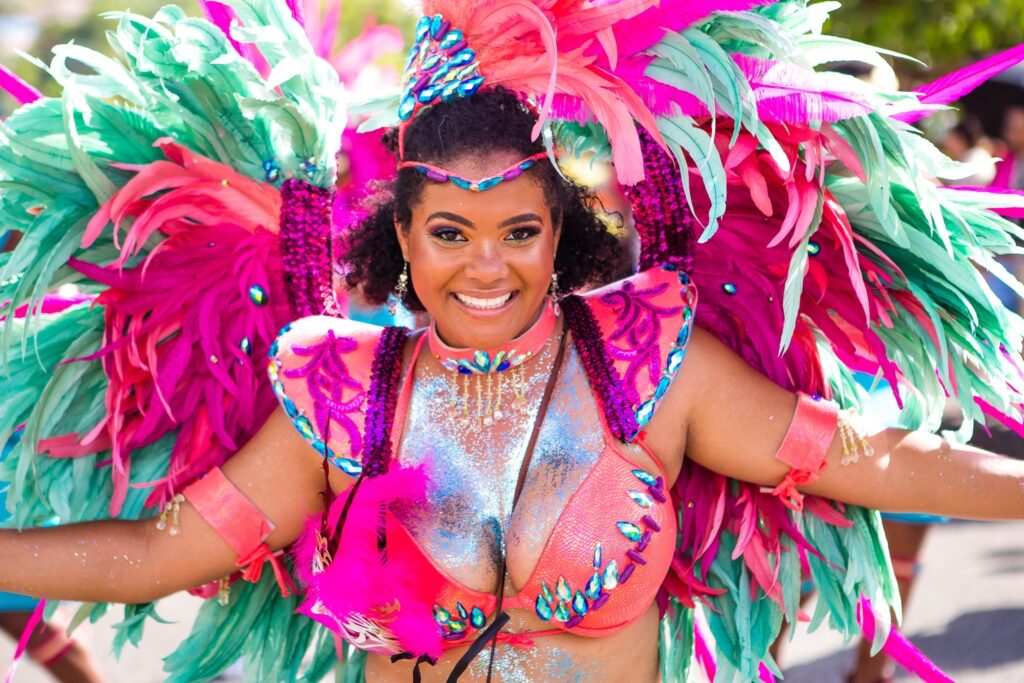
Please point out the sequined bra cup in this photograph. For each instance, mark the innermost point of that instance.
(611, 546)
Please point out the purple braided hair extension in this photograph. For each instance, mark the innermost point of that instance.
(382, 400)
(663, 221)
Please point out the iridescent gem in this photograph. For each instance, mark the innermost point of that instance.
(645, 412)
(352, 468)
(305, 428)
(449, 92)
(597, 556)
(813, 248)
(463, 614)
(437, 23)
(431, 63)
(422, 29)
(407, 107)
(468, 88)
(611, 576)
(579, 604)
(630, 531)
(562, 590)
(729, 288)
(279, 389)
(461, 182)
(640, 498)
(258, 295)
(662, 387)
(441, 615)
(546, 592)
(273, 175)
(477, 618)
(489, 183)
(675, 359)
(544, 609)
(245, 345)
(451, 39)
(593, 588)
(457, 626)
(684, 336)
(428, 94)
(463, 57)
(646, 477)
(289, 406)
(562, 612)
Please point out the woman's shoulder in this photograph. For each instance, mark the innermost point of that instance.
(326, 374)
(633, 335)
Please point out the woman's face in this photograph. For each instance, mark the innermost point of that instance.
(481, 262)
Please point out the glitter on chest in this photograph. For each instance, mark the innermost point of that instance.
(475, 469)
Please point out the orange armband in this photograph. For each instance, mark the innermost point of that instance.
(240, 524)
(805, 446)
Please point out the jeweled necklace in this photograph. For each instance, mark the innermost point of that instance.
(486, 370)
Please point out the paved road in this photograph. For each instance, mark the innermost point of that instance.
(967, 614)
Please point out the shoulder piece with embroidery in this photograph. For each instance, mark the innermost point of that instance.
(632, 337)
(335, 379)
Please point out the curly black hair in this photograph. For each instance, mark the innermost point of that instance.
(490, 121)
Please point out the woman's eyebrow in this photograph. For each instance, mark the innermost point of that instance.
(521, 218)
(453, 217)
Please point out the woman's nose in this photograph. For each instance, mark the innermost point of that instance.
(486, 262)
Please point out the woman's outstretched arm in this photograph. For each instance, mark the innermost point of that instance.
(737, 419)
(134, 562)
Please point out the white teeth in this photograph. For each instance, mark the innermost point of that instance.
(485, 304)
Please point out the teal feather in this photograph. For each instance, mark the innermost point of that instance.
(683, 135)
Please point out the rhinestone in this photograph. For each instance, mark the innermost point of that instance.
(289, 407)
(214, 359)
(630, 530)
(467, 88)
(461, 182)
(640, 498)
(279, 389)
(437, 22)
(258, 295)
(407, 107)
(273, 175)
(457, 626)
(675, 359)
(729, 288)
(441, 615)
(593, 589)
(662, 387)
(477, 618)
(562, 612)
(489, 183)
(463, 57)
(546, 592)
(305, 428)
(422, 29)
(684, 335)
(645, 477)
(562, 590)
(451, 39)
(645, 412)
(813, 248)
(597, 556)
(488, 421)
(543, 609)
(352, 468)
(463, 614)
(498, 415)
(245, 345)
(579, 604)
(174, 531)
(611, 576)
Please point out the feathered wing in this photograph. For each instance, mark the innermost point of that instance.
(154, 184)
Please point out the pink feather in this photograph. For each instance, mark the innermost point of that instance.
(788, 93)
(955, 85)
(17, 87)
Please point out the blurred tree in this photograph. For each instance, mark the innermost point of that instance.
(944, 34)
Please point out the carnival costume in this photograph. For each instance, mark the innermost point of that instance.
(192, 194)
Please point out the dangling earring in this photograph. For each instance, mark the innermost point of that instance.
(553, 289)
(401, 289)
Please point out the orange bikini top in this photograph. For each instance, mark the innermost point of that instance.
(614, 541)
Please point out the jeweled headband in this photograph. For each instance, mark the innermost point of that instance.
(440, 67)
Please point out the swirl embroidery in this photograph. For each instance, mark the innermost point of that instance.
(335, 394)
(637, 333)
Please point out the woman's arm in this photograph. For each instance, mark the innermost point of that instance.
(133, 562)
(737, 419)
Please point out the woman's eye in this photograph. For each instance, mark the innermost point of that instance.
(447, 235)
(523, 234)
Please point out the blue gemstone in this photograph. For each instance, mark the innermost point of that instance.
(431, 63)
(477, 618)
(439, 75)
(527, 165)
(640, 498)
(544, 609)
(428, 94)
(441, 615)
(597, 556)
(245, 345)
(407, 107)
(662, 387)
(579, 604)
(489, 183)
(457, 626)
(669, 267)
(413, 52)
(611, 575)
(467, 88)
(422, 29)
(562, 590)
(675, 359)
(505, 365)
(463, 614)
(451, 39)
(450, 92)
(352, 468)
(546, 592)
(630, 531)
(274, 348)
(273, 175)
(290, 407)
(729, 288)
(813, 248)
(305, 428)
(461, 182)
(279, 389)
(465, 371)
(436, 22)
(684, 335)
(645, 412)
(646, 477)
(562, 612)
(593, 589)
(463, 57)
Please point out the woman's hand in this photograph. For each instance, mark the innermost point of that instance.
(133, 562)
(736, 420)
